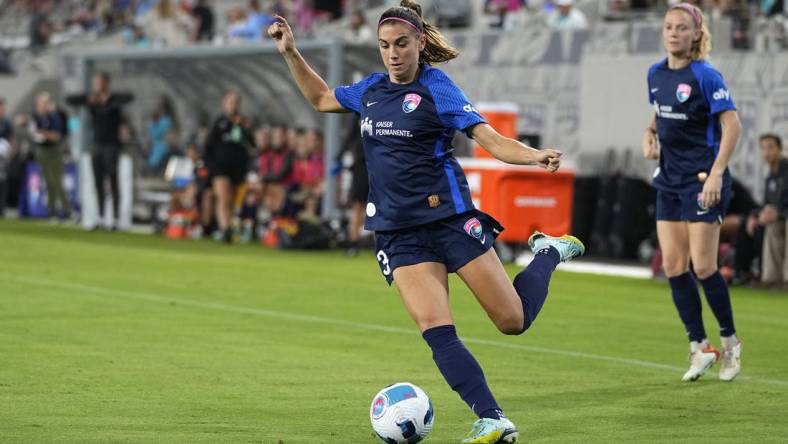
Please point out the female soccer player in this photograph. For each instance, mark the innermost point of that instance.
(419, 205)
(693, 134)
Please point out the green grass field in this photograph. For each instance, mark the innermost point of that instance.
(108, 337)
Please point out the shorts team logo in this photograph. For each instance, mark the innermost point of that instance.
(473, 227)
(410, 103)
(683, 92)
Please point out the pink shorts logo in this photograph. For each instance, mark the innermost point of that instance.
(473, 227)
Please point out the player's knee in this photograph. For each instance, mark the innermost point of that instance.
(704, 271)
(511, 324)
(674, 267)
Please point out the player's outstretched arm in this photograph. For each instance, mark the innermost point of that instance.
(311, 85)
(511, 151)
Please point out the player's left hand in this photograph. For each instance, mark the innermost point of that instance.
(549, 159)
(712, 190)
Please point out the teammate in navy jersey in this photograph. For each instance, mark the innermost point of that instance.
(419, 205)
(693, 134)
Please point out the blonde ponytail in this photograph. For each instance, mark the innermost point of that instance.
(702, 48)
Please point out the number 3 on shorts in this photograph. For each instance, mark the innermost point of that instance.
(384, 262)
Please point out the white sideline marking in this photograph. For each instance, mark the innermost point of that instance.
(168, 300)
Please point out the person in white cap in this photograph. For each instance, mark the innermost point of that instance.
(566, 16)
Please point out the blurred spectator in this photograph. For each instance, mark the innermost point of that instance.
(41, 28)
(566, 16)
(276, 168)
(7, 149)
(772, 216)
(508, 12)
(303, 16)
(48, 133)
(262, 141)
(202, 188)
(733, 231)
(162, 123)
(358, 30)
(106, 112)
(236, 24)
(250, 26)
(226, 157)
(167, 25)
(134, 36)
(359, 188)
(308, 173)
(250, 208)
(331, 8)
(203, 21)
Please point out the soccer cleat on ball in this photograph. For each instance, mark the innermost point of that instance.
(730, 362)
(700, 362)
(568, 246)
(492, 431)
(401, 414)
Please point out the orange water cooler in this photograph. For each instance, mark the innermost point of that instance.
(503, 117)
(522, 198)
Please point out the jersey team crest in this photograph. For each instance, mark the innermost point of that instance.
(683, 92)
(411, 102)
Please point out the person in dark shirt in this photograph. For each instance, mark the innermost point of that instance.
(227, 157)
(48, 131)
(40, 26)
(773, 214)
(419, 203)
(106, 112)
(204, 19)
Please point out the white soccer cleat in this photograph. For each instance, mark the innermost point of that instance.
(492, 431)
(700, 362)
(730, 362)
(568, 247)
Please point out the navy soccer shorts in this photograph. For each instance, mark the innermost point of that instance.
(453, 241)
(685, 207)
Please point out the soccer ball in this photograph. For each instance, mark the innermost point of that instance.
(401, 414)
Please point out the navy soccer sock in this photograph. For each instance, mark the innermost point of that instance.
(461, 370)
(531, 284)
(687, 301)
(720, 302)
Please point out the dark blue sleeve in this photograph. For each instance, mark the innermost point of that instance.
(454, 109)
(649, 76)
(349, 96)
(714, 89)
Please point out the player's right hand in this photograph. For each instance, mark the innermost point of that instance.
(649, 145)
(282, 34)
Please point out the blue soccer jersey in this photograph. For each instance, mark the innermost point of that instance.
(687, 103)
(407, 131)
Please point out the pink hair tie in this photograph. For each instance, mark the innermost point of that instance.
(692, 10)
(399, 20)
